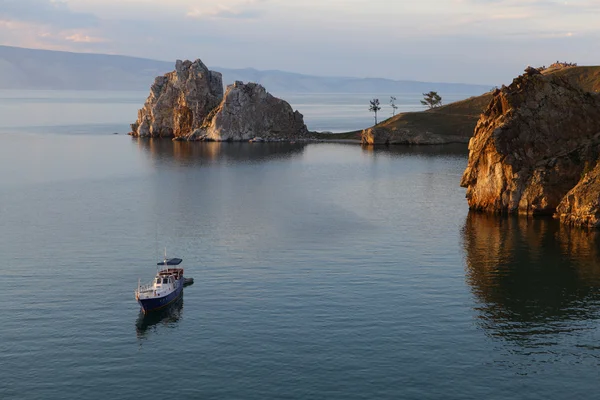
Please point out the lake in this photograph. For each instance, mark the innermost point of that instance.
(321, 270)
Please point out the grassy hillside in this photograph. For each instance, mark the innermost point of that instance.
(457, 118)
(588, 78)
(460, 118)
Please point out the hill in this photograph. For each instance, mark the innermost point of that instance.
(22, 68)
(454, 122)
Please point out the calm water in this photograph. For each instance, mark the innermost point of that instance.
(322, 271)
(77, 112)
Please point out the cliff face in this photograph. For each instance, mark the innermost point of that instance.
(179, 101)
(581, 206)
(248, 111)
(188, 104)
(531, 145)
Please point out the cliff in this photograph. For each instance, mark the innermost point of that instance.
(179, 101)
(249, 112)
(581, 205)
(188, 104)
(455, 122)
(532, 145)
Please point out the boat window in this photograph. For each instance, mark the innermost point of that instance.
(165, 280)
(158, 280)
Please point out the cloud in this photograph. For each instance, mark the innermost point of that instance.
(241, 9)
(49, 12)
(550, 6)
(79, 37)
(331, 37)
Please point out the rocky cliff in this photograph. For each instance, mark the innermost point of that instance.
(249, 112)
(179, 101)
(532, 145)
(188, 104)
(581, 205)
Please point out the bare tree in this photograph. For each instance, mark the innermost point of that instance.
(432, 100)
(374, 107)
(393, 104)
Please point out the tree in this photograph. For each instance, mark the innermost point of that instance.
(432, 100)
(374, 107)
(393, 104)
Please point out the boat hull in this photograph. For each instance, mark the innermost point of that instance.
(158, 303)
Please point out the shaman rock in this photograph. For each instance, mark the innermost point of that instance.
(248, 111)
(179, 101)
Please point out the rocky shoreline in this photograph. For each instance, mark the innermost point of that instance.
(534, 150)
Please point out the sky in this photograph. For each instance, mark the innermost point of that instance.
(471, 41)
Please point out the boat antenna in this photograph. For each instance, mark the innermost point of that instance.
(156, 244)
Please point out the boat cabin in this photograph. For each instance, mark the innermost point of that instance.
(163, 280)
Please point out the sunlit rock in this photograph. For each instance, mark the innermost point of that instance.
(531, 145)
(179, 101)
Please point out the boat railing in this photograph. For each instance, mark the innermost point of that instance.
(149, 287)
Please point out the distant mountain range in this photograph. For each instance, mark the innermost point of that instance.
(22, 68)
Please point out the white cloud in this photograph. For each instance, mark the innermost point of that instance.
(226, 9)
(80, 37)
(332, 37)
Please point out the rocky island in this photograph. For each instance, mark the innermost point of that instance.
(189, 104)
(535, 151)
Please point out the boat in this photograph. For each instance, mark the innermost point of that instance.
(165, 289)
(167, 316)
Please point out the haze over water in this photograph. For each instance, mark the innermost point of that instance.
(321, 270)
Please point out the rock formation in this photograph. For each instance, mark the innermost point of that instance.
(249, 112)
(188, 104)
(179, 101)
(531, 147)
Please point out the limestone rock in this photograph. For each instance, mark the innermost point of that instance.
(247, 112)
(531, 145)
(179, 101)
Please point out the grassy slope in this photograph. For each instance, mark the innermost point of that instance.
(460, 118)
(588, 78)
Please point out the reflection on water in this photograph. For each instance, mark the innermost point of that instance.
(167, 317)
(458, 149)
(199, 153)
(534, 279)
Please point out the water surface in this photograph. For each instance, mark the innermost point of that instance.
(321, 271)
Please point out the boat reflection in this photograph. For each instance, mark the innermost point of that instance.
(532, 278)
(167, 317)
